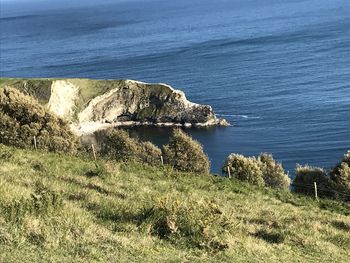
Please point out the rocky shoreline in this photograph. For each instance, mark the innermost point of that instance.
(91, 127)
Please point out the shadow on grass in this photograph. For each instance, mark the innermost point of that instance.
(270, 237)
(114, 213)
(340, 225)
(95, 187)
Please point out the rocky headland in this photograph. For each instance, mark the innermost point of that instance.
(91, 105)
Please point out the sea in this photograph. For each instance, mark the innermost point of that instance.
(278, 70)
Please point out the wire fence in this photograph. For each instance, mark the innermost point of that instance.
(321, 189)
(311, 189)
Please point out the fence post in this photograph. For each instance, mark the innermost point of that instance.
(93, 151)
(35, 146)
(162, 160)
(229, 171)
(316, 196)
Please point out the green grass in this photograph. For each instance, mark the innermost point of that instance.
(41, 88)
(60, 208)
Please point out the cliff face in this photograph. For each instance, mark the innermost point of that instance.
(138, 102)
(91, 105)
(63, 97)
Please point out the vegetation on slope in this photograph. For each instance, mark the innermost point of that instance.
(261, 171)
(60, 208)
(39, 89)
(334, 185)
(117, 144)
(341, 173)
(185, 154)
(23, 118)
(265, 171)
(24, 122)
(65, 208)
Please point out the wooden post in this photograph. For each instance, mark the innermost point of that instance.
(229, 171)
(93, 151)
(35, 146)
(315, 185)
(162, 160)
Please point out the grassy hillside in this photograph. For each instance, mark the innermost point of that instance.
(38, 88)
(59, 208)
(88, 88)
(41, 88)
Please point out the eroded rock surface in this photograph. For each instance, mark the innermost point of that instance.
(62, 100)
(137, 103)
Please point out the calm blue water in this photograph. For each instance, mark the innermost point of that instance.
(279, 70)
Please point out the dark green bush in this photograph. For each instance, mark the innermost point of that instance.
(273, 172)
(305, 176)
(22, 118)
(244, 168)
(151, 153)
(335, 184)
(185, 154)
(304, 183)
(118, 145)
(261, 171)
(341, 173)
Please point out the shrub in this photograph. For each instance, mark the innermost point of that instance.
(22, 118)
(326, 187)
(260, 171)
(40, 89)
(190, 224)
(342, 176)
(244, 168)
(117, 144)
(185, 154)
(305, 178)
(273, 172)
(150, 153)
(341, 173)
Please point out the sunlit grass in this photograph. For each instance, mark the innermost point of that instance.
(74, 211)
